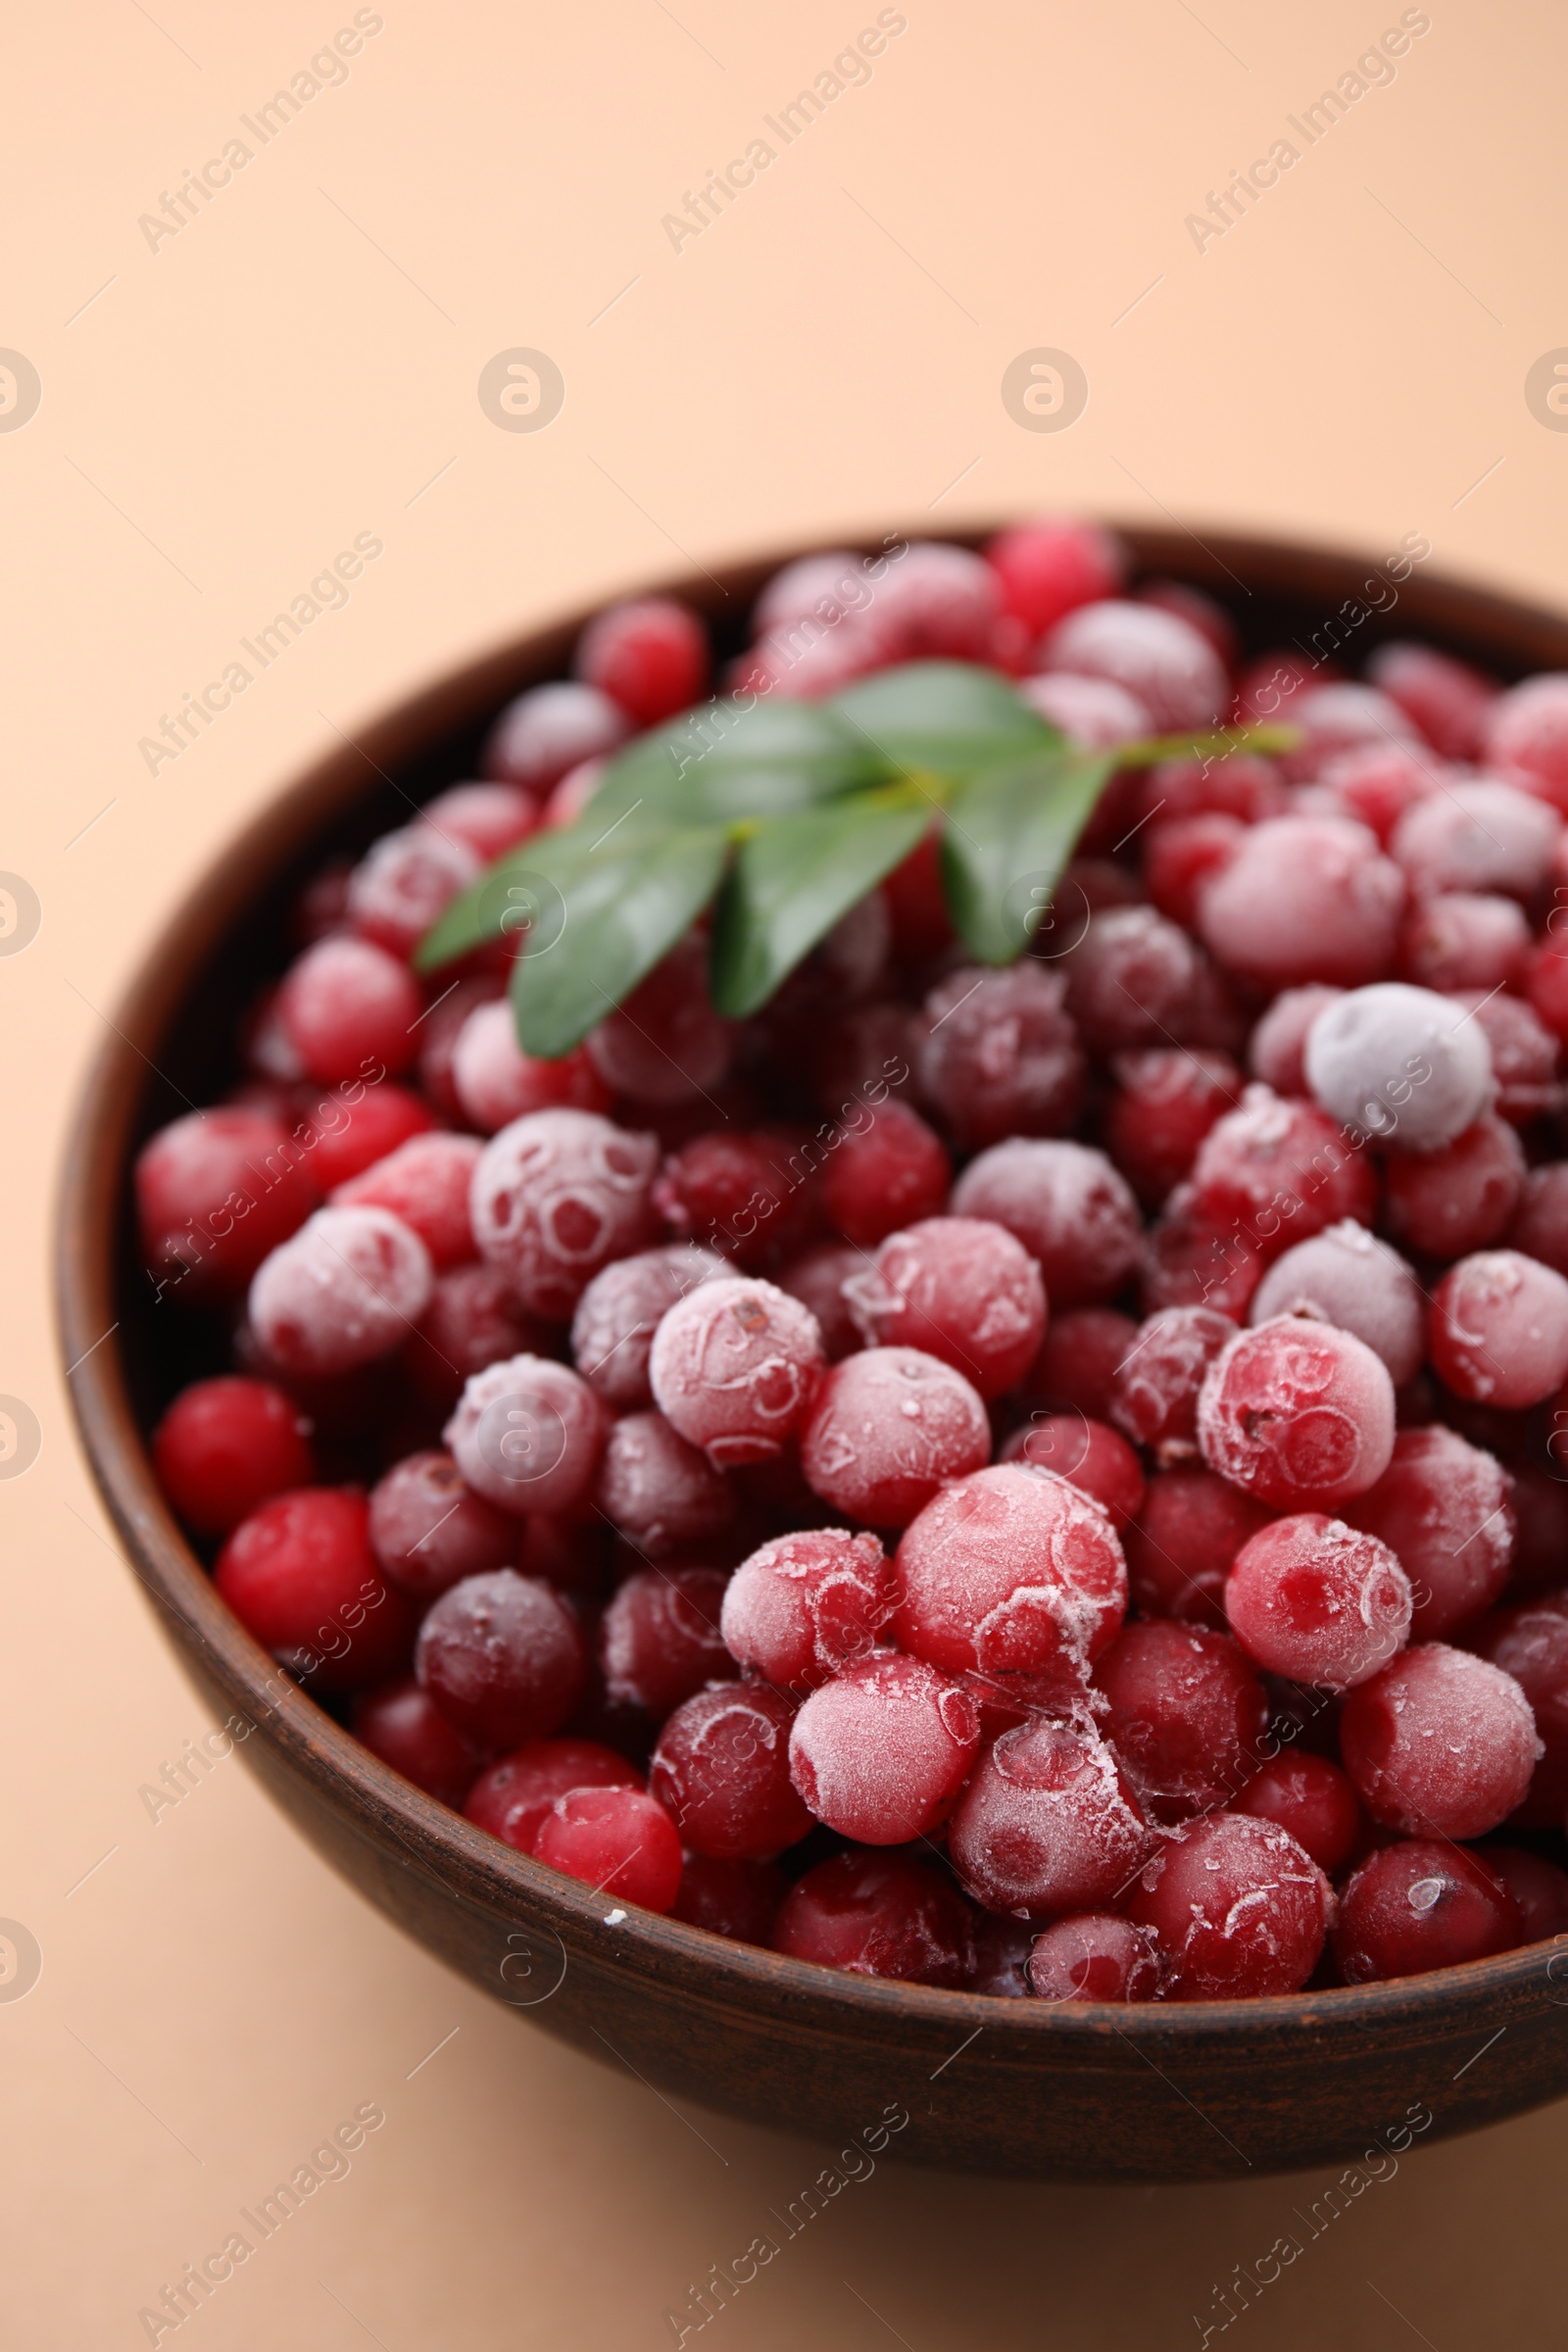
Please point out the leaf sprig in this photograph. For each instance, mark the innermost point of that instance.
(781, 816)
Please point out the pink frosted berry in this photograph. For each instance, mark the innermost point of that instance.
(1337, 716)
(216, 1192)
(1317, 1602)
(878, 1915)
(649, 654)
(490, 819)
(1187, 1716)
(887, 1428)
(1162, 660)
(804, 1606)
(1088, 1455)
(1305, 899)
(1531, 1642)
(496, 1082)
(429, 1529)
(555, 1197)
(734, 1367)
(1524, 1054)
(1526, 737)
(527, 1435)
(1275, 1171)
(1049, 1823)
(1069, 1206)
(664, 1043)
(937, 602)
(472, 1320)
(1094, 712)
(404, 881)
(659, 1642)
(1167, 1099)
(1277, 1049)
(721, 1771)
(1129, 979)
(1477, 836)
(1376, 782)
(1300, 1414)
(502, 1657)
(1444, 1509)
(960, 1289)
(618, 1314)
(1440, 1744)
(1181, 1546)
(344, 1290)
(1001, 1056)
(1452, 1202)
(1497, 1333)
(1240, 1909)
(1098, 1956)
(348, 1008)
(1154, 1397)
(1449, 701)
(1010, 1570)
(548, 731)
(1399, 1063)
(660, 1492)
(880, 1753)
(1345, 1276)
(426, 1183)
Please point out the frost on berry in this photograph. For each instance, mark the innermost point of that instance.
(804, 1606)
(665, 1043)
(1424, 1903)
(429, 1529)
(959, 1289)
(527, 1435)
(721, 1771)
(1399, 1063)
(1162, 660)
(404, 881)
(1440, 1744)
(1187, 1716)
(660, 1492)
(1314, 1601)
(346, 1288)
(734, 1367)
(660, 1640)
(1072, 1211)
(1129, 979)
(1239, 1907)
(555, 1197)
(1181, 1546)
(1444, 1508)
(618, 1314)
(1089, 1455)
(1298, 1414)
(1156, 1390)
(496, 1082)
(1477, 836)
(1049, 1822)
(1498, 1329)
(880, 1753)
(887, 1427)
(1095, 1956)
(1345, 1276)
(1001, 1056)
(426, 1181)
(1011, 1571)
(1305, 899)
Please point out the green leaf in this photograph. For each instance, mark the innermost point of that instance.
(944, 718)
(792, 881)
(723, 761)
(1008, 837)
(606, 916)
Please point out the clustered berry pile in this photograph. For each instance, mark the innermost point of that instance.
(1041, 1479)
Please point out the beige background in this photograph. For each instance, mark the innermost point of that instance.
(298, 364)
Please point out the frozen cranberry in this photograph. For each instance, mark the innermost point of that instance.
(571, 796)
(399, 1724)
(1049, 1822)
(1154, 1396)
(734, 1366)
(1541, 1514)
(1182, 1542)
(1268, 687)
(548, 731)
(513, 1795)
(426, 1181)
(1459, 1200)
(893, 1171)
(1162, 660)
(1182, 855)
(496, 1082)
(828, 587)
(1317, 1602)
(1399, 1063)
(660, 1640)
(1539, 1890)
(502, 1657)
(1444, 1509)
(1241, 784)
(1449, 701)
(1526, 737)
(216, 1192)
(1420, 1906)
(1310, 1798)
(736, 1899)
(438, 1035)
(1096, 1957)
(1049, 567)
(300, 1575)
(807, 1605)
(429, 1529)
(659, 1491)
(618, 1842)
(349, 1007)
(1002, 1949)
(351, 1129)
(938, 604)
(1546, 984)
(1186, 1715)
(1128, 978)
(1071, 1209)
(649, 654)
(1191, 1260)
(1075, 1370)
(1304, 898)
(741, 1195)
(1539, 1227)
(878, 1915)
(527, 1435)
(1093, 713)
(1276, 1171)
(1347, 1277)
(1167, 1101)
(960, 1289)
(1529, 1643)
(472, 1320)
(880, 1753)
(1478, 836)
(404, 881)
(555, 1197)
(1338, 716)
(618, 1314)
(344, 1290)
(1277, 1049)
(816, 1279)
(1002, 1057)
(721, 1770)
(1010, 1570)
(1524, 1054)
(1498, 1329)
(1440, 1744)
(1377, 782)
(225, 1446)
(665, 1043)
(887, 1428)
(491, 818)
(1298, 1414)
(1240, 1909)
(1089, 1455)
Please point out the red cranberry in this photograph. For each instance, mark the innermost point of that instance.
(880, 1753)
(1317, 1602)
(917, 902)
(351, 1129)
(1477, 836)
(1075, 1370)
(1547, 986)
(664, 1043)
(398, 1723)
(1454, 1202)
(1239, 784)
(1375, 783)
(1498, 1329)
(1523, 1056)
(1096, 716)
(1443, 1508)
(1239, 1907)
(1162, 660)
(1338, 715)
(1001, 1056)
(1304, 898)
(491, 818)
(1191, 1260)
(1540, 1891)
(741, 1195)
(1010, 1570)
(1182, 1544)
(887, 1428)
(1129, 979)
(1298, 1414)
(1199, 611)
(1343, 1276)
(1068, 1207)
(618, 1314)
(892, 1173)
(1186, 1715)
(1155, 1391)
(425, 1182)
(804, 1606)
(502, 1657)
(555, 1197)
(549, 730)
(527, 1435)
(816, 1279)
(1049, 1822)
(1277, 1171)
(225, 1446)
(438, 1035)
(344, 1290)
(496, 1082)
(215, 1193)
(300, 1575)
(737, 1899)
(1465, 940)
(660, 1640)
(348, 1008)
(428, 1531)
(1277, 1049)
(1420, 1906)
(1449, 701)
(1089, 1455)
(878, 1915)
(649, 654)
(513, 1795)
(1268, 686)
(1049, 567)
(721, 1770)
(734, 1367)
(1182, 856)
(939, 603)
(1440, 1744)
(404, 881)
(618, 1842)
(1095, 1957)
(1311, 1798)
(472, 1320)
(1526, 737)
(1399, 1063)
(1167, 1101)
(1529, 1643)
(960, 1289)
(660, 1492)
